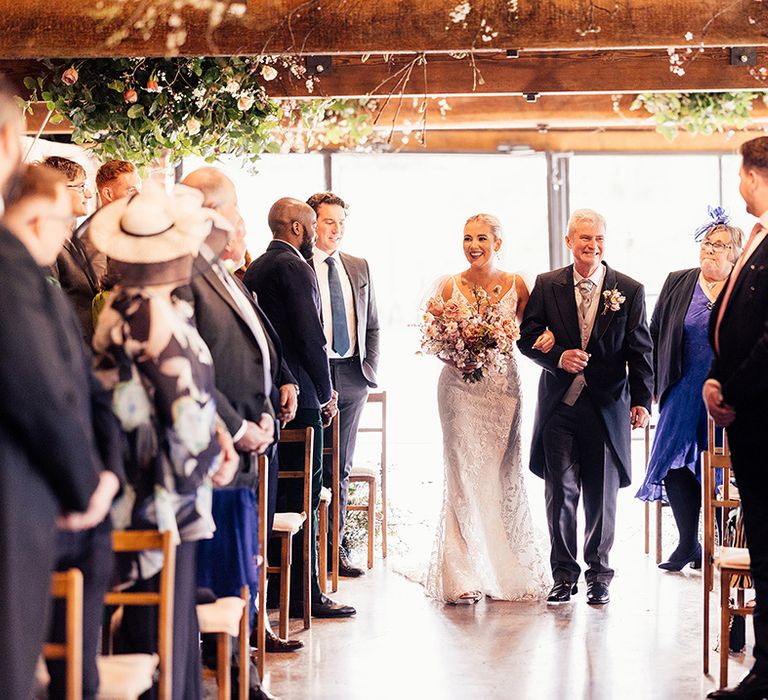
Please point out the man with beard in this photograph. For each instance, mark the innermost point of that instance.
(287, 290)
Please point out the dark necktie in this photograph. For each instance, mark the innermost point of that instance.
(338, 310)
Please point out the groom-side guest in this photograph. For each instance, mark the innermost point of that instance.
(597, 382)
(286, 287)
(736, 394)
(351, 325)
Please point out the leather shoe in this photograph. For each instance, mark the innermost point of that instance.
(325, 607)
(597, 593)
(346, 567)
(694, 559)
(561, 592)
(277, 645)
(752, 687)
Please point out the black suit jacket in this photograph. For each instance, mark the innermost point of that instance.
(286, 287)
(619, 374)
(366, 315)
(741, 365)
(667, 329)
(238, 362)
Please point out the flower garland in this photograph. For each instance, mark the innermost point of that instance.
(143, 109)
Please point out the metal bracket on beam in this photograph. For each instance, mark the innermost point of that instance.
(531, 96)
(743, 56)
(318, 65)
(513, 53)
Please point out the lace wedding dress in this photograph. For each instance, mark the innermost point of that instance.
(485, 538)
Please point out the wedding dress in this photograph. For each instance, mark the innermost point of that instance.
(485, 539)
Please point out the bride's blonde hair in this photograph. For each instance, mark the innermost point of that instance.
(490, 221)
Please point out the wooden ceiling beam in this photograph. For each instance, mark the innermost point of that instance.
(63, 28)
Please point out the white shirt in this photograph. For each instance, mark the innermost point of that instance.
(321, 268)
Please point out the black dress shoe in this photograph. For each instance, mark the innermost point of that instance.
(346, 567)
(597, 593)
(277, 645)
(325, 607)
(561, 592)
(694, 559)
(753, 687)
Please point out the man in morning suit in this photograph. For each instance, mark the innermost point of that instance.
(736, 394)
(351, 324)
(47, 455)
(597, 380)
(286, 287)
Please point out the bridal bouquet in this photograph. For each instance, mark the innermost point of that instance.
(474, 337)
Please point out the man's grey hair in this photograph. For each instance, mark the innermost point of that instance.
(590, 216)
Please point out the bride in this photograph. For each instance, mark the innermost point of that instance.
(485, 543)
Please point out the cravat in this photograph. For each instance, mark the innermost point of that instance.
(585, 288)
(732, 282)
(338, 310)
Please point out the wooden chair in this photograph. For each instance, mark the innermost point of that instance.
(226, 618)
(126, 676)
(717, 499)
(261, 616)
(287, 525)
(658, 507)
(369, 475)
(329, 498)
(68, 585)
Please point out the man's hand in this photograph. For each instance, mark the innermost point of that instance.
(574, 361)
(545, 342)
(289, 401)
(98, 505)
(257, 436)
(330, 409)
(230, 459)
(638, 417)
(722, 413)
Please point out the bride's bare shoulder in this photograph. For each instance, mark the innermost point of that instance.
(446, 286)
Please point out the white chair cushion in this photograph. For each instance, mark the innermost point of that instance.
(125, 676)
(221, 616)
(365, 470)
(733, 558)
(288, 522)
(325, 494)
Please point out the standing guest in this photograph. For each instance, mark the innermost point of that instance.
(351, 325)
(681, 358)
(49, 463)
(73, 268)
(597, 382)
(114, 180)
(161, 374)
(287, 290)
(735, 395)
(250, 372)
(84, 540)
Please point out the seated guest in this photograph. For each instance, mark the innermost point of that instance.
(161, 374)
(73, 267)
(681, 358)
(49, 461)
(84, 539)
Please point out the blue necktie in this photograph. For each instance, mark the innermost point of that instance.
(338, 310)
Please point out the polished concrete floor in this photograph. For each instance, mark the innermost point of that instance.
(645, 644)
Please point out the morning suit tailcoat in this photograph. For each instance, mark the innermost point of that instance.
(49, 460)
(741, 366)
(667, 323)
(619, 374)
(286, 287)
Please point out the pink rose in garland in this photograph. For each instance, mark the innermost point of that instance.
(70, 76)
(130, 96)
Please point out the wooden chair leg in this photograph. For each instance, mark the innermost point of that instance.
(725, 618)
(322, 560)
(244, 671)
(383, 515)
(223, 677)
(285, 585)
(371, 521)
(647, 540)
(705, 626)
(658, 532)
(307, 582)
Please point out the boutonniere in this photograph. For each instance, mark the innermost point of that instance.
(613, 300)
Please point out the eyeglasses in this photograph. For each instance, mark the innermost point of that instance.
(716, 247)
(82, 187)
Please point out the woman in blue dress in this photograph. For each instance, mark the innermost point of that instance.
(681, 358)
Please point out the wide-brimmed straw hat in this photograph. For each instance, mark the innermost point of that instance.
(154, 227)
